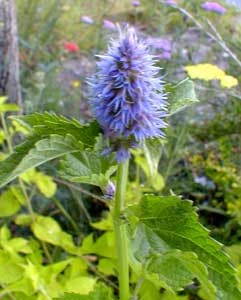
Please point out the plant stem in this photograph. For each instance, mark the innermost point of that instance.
(6, 133)
(66, 214)
(120, 231)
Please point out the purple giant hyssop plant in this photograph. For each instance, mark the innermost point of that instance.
(128, 101)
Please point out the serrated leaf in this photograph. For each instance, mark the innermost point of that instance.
(46, 124)
(32, 154)
(178, 269)
(173, 223)
(181, 96)
(87, 167)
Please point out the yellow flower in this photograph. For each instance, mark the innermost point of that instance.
(228, 81)
(75, 83)
(211, 72)
(205, 72)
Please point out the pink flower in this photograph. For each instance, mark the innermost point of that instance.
(71, 47)
(213, 6)
(87, 20)
(109, 25)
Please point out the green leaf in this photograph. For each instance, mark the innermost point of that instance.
(171, 223)
(103, 246)
(101, 292)
(234, 251)
(9, 107)
(87, 167)
(2, 136)
(10, 201)
(10, 269)
(23, 219)
(107, 266)
(82, 285)
(32, 154)
(105, 224)
(148, 160)
(149, 291)
(17, 245)
(181, 96)
(47, 124)
(48, 230)
(23, 285)
(3, 99)
(178, 269)
(78, 266)
(45, 183)
(5, 234)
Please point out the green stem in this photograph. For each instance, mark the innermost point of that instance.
(66, 214)
(120, 232)
(6, 133)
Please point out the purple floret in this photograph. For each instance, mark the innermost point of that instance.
(127, 95)
(171, 2)
(87, 20)
(109, 25)
(135, 3)
(213, 6)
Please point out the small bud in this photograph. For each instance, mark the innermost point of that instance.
(110, 190)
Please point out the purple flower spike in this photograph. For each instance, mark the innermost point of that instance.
(135, 3)
(87, 20)
(109, 25)
(213, 6)
(127, 95)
